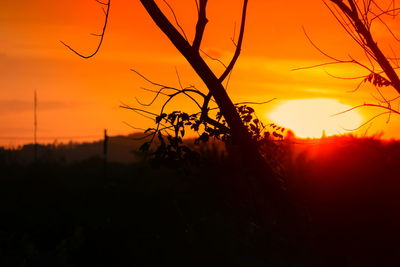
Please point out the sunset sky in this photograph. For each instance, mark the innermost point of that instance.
(78, 98)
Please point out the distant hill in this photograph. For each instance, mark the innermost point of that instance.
(123, 149)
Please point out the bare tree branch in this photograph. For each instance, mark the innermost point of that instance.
(369, 120)
(102, 3)
(317, 48)
(176, 19)
(368, 40)
(107, 13)
(334, 63)
(213, 58)
(184, 91)
(239, 43)
(389, 109)
(201, 25)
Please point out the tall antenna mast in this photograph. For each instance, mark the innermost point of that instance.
(35, 125)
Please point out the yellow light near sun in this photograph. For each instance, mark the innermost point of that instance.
(311, 118)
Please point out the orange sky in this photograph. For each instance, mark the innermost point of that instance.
(79, 98)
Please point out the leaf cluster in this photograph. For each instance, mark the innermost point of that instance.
(377, 80)
(167, 145)
(259, 131)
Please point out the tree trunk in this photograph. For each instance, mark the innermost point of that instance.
(268, 192)
(238, 130)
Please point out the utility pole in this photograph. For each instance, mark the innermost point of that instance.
(105, 151)
(35, 126)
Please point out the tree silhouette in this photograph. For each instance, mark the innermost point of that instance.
(264, 187)
(361, 19)
(191, 52)
(361, 15)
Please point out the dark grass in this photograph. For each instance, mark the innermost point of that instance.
(54, 215)
(75, 214)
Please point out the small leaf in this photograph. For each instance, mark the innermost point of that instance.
(184, 116)
(247, 118)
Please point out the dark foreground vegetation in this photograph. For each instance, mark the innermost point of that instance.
(76, 213)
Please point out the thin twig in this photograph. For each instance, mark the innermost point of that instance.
(239, 43)
(107, 13)
(176, 19)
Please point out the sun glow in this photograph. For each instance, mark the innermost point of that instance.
(313, 118)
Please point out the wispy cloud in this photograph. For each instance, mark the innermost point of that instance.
(19, 106)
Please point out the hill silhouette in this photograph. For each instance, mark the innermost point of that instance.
(122, 149)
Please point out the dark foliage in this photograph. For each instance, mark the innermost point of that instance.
(168, 136)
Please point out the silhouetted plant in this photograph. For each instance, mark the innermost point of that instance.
(171, 128)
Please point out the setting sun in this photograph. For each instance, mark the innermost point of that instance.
(312, 118)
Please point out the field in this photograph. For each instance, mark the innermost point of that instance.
(62, 211)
